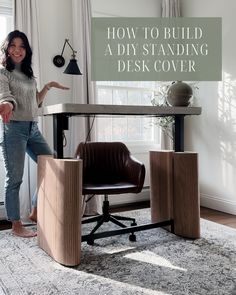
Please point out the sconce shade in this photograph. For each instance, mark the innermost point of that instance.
(72, 68)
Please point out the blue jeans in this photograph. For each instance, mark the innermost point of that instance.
(16, 139)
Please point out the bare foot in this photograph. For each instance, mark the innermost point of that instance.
(19, 230)
(33, 215)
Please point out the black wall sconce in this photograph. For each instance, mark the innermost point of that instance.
(72, 67)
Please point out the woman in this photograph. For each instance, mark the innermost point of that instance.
(19, 134)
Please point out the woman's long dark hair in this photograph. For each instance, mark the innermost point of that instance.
(27, 61)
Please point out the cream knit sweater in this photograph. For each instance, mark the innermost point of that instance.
(16, 87)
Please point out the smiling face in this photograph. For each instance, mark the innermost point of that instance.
(16, 50)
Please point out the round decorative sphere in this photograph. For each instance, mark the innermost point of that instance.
(179, 94)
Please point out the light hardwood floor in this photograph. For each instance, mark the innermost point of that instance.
(219, 217)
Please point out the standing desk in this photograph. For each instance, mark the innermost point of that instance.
(55, 242)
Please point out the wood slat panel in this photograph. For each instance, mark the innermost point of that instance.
(59, 208)
(161, 185)
(186, 202)
(175, 192)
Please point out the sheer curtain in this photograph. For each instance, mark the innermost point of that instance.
(26, 20)
(170, 8)
(83, 87)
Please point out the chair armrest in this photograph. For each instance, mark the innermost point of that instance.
(135, 172)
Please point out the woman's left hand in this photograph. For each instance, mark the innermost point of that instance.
(54, 84)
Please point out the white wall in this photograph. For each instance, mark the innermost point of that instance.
(54, 27)
(213, 134)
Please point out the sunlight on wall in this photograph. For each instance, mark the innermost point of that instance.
(227, 128)
(150, 257)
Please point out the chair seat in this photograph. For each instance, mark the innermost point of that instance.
(110, 189)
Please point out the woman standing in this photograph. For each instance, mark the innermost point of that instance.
(19, 133)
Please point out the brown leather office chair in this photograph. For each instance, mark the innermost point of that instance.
(108, 169)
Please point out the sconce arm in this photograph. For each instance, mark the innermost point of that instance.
(63, 48)
(67, 42)
(59, 60)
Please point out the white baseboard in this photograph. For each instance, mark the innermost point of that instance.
(219, 204)
(2, 213)
(129, 198)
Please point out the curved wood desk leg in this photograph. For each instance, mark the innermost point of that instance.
(161, 185)
(59, 208)
(186, 203)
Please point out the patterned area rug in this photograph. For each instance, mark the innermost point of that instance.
(158, 263)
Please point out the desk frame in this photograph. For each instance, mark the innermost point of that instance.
(62, 112)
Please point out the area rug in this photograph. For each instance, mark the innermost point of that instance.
(158, 263)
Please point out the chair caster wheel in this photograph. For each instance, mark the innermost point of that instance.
(133, 223)
(132, 238)
(90, 242)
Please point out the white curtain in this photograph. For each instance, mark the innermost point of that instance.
(26, 20)
(170, 8)
(83, 87)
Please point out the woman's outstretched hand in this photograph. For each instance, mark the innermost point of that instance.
(54, 84)
(41, 95)
(6, 111)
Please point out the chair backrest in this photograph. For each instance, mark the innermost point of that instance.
(109, 162)
(103, 162)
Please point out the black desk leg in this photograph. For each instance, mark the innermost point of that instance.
(58, 135)
(179, 133)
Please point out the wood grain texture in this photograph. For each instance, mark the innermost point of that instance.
(186, 202)
(161, 185)
(174, 191)
(59, 208)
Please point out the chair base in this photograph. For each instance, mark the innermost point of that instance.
(106, 217)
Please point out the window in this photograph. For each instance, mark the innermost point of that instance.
(134, 130)
(6, 18)
(6, 25)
